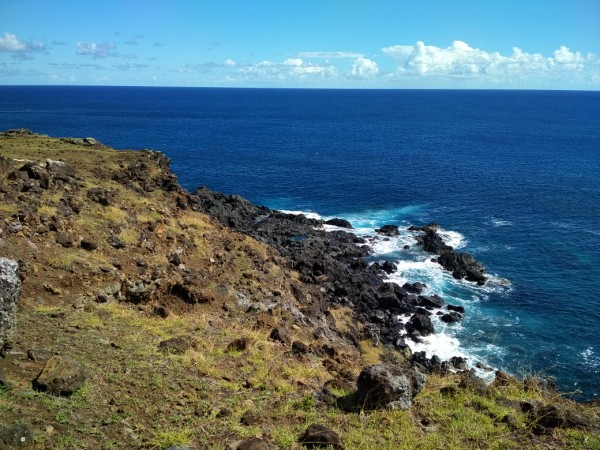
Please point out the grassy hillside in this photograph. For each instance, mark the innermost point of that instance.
(172, 316)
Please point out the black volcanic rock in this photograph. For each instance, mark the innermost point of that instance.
(421, 324)
(342, 223)
(388, 230)
(462, 265)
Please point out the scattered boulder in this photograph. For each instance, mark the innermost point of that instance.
(469, 381)
(88, 244)
(319, 436)
(300, 348)
(238, 345)
(10, 292)
(250, 417)
(101, 196)
(59, 168)
(60, 376)
(116, 242)
(280, 334)
(389, 386)
(39, 355)
(64, 239)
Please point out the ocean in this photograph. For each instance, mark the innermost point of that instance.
(512, 177)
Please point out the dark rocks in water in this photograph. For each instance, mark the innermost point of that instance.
(342, 223)
(431, 301)
(388, 230)
(451, 317)
(319, 436)
(421, 324)
(389, 386)
(458, 309)
(387, 267)
(462, 265)
(60, 376)
(414, 288)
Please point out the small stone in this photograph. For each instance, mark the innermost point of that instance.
(88, 245)
(280, 334)
(238, 345)
(14, 227)
(250, 417)
(319, 436)
(20, 435)
(115, 242)
(300, 348)
(60, 376)
(64, 239)
(176, 345)
(39, 355)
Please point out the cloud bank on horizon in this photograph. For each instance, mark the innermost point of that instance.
(458, 65)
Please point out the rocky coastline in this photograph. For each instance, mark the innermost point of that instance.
(135, 314)
(335, 262)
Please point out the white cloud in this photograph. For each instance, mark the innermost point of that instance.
(297, 62)
(462, 61)
(290, 70)
(96, 50)
(364, 68)
(10, 43)
(330, 55)
(229, 63)
(20, 50)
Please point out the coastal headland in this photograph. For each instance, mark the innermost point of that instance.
(151, 317)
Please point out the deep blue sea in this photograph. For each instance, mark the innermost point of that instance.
(513, 177)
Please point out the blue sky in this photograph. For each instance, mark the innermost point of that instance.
(526, 44)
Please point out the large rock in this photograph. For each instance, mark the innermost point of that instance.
(10, 292)
(389, 386)
(420, 324)
(60, 376)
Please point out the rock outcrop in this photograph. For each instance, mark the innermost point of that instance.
(10, 291)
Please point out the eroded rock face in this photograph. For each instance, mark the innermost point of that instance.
(10, 292)
(389, 386)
